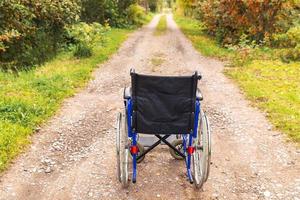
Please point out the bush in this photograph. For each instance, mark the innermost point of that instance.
(114, 12)
(257, 19)
(289, 39)
(83, 51)
(155, 5)
(136, 15)
(86, 36)
(31, 31)
(291, 54)
(100, 11)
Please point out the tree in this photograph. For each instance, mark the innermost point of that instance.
(255, 19)
(31, 31)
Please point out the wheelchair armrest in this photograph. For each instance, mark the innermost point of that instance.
(199, 95)
(127, 92)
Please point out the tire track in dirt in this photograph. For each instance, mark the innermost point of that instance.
(73, 156)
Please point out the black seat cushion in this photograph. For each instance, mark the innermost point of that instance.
(163, 105)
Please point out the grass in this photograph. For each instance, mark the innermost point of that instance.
(29, 99)
(270, 84)
(194, 31)
(161, 27)
(157, 60)
(149, 17)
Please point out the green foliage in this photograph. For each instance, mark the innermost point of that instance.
(244, 26)
(33, 96)
(86, 36)
(101, 11)
(31, 31)
(116, 13)
(83, 51)
(136, 15)
(155, 5)
(195, 31)
(89, 34)
(186, 7)
(291, 41)
(291, 54)
(259, 20)
(256, 19)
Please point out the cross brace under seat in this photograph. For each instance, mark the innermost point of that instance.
(164, 140)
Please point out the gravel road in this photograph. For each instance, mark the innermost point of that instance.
(73, 155)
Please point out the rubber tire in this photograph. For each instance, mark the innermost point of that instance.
(173, 153)
(124, 151)
(209, 148)
(118, 144)
(201, 154)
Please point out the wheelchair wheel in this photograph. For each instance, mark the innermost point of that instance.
(178, 144)
(122, 148)
(201, 157)
(118, 143)
(209, 148)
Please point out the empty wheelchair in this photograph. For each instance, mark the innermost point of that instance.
(163, 106)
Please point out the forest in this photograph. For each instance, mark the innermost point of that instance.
(272, 23)
(32, 32)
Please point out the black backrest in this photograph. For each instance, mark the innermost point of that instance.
(163, 105)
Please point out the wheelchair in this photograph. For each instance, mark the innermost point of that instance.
(163, 106)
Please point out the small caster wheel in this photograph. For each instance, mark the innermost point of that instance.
(178, 144)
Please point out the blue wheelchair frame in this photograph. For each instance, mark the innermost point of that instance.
(187, 140)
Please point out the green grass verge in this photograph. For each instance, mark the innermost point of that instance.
(161, 27)
(29, 99)
(149, 17)
(206, 45)
(270, 84)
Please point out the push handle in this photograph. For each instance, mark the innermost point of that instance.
(198, 75)
(132, 71)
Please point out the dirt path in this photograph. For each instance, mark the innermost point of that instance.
(73, 156)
